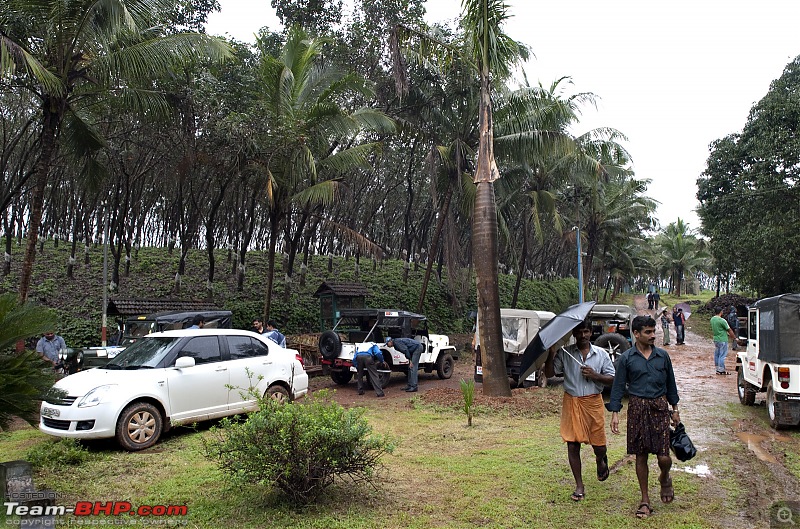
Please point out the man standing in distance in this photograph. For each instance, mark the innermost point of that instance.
(679, 319)
(721, 331)
(49, 348)
(412, 350)
(647, 372)
(274, 334)
(583, 420)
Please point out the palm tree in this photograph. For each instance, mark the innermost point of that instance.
(71, 54)
(311, 140)
(494, 54)
(491, 55)
(681, 251)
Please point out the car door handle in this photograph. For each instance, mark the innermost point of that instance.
(220, 369)
(267, 363)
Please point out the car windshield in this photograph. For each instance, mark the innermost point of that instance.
(145, 353)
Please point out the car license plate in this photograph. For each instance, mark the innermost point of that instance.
(50, 412)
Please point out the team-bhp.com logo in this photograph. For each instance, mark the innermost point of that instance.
(97, 508)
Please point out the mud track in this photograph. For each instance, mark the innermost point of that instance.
(735, 444)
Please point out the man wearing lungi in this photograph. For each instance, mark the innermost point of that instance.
(586, 368)
(647, 372)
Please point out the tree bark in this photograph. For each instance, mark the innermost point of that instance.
(485, 242)
(41, 173)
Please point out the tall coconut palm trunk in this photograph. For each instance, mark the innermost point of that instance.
(485, 243)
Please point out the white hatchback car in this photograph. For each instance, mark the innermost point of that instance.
(171, 378)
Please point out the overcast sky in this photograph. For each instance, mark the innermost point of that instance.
(672, 77)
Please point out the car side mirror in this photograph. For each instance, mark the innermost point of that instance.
(184, 361)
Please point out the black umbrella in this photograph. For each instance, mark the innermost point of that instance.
(550, 334)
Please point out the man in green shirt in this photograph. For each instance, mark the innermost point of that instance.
(721, 331)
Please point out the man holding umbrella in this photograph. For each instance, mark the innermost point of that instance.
(586, 369)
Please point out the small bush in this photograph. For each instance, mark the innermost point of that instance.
(58, 453)
(298, 449)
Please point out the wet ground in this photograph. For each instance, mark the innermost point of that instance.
(736, 446)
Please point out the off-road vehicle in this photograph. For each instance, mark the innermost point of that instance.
(519, 329)
(139, 326)
(359, 329)
(611, 328)
(771, 362)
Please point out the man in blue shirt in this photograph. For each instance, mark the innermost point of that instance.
(49, 346)
(412, 350)
(274, 334)
(367, 359)
(647, 372)
(586, 369)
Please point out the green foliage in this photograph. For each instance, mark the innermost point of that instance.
(750, 189)
(468, 392)
(82, 332)
(298, 449)
(26, 379)
(55, 453)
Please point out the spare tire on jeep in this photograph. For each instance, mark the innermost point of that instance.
(614, 343)
(330, 345)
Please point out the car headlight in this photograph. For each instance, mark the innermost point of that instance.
(95, 397)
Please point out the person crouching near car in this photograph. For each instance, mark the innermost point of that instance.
(368, 360)
(586, 368)
(412, 350)
(647, 372)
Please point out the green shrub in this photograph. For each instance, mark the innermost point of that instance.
(300, 449)
(57, 453)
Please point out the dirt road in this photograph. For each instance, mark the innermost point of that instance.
(722, 428)
(739, 457)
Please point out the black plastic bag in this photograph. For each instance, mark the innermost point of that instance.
(681, 444)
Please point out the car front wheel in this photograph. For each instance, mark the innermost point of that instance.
(139, 426)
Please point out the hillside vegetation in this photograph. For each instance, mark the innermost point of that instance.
(78, 301)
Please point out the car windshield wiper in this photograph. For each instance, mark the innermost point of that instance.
(139, 367)
(112, 365)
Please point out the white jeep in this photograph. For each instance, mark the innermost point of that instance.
(360, 329)
(771, 362)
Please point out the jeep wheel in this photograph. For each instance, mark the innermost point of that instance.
(614, 343)
(342, 377)
(444, 366)
(330, 346)
(774, 420)
(747, 394)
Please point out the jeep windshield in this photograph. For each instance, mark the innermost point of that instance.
(146, 353)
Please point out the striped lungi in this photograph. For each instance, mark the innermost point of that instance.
(583, 420)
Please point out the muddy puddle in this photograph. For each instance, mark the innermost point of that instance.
(758, 444)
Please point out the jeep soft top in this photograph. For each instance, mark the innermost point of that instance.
(395, 323)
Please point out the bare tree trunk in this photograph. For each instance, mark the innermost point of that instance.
(433, 251)
(274, 221)
(41, 172)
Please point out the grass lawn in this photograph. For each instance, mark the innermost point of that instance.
(505, 471)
